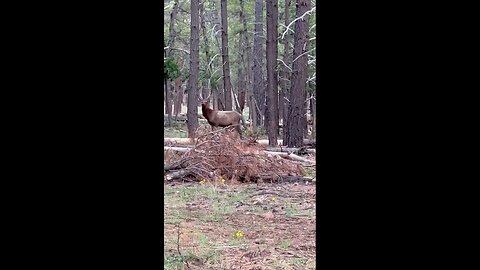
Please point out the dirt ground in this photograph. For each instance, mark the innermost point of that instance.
(239, 226)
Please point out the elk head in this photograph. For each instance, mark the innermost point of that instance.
(204, 101)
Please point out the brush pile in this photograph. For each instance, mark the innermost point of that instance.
(221, 154)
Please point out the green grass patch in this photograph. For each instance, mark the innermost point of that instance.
(285, 244)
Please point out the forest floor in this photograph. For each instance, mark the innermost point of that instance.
(239, 226)
(233, 225)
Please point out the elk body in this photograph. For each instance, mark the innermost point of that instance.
(221, 118)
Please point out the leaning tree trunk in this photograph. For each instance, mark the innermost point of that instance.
(272, 76)
(257, 57)
(227, 85)
(296, 109)
(192, 107)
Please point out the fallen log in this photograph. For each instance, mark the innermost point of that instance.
(291, 150)
(188, 141)
(177, 174)
(172, 167)
(281, 154)
(289, 156)
(280, 142)
(182, 117)
(295, 179)
(179, 141)
(177, 149)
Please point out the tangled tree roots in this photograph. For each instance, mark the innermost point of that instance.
(221, 154)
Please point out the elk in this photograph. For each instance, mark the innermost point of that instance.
(221, 118)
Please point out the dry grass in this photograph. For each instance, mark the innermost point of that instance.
(202, 222)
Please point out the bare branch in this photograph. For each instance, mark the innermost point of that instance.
(209, 64)
(288, 29)
(284, 64)
(302, 54)
(311, 79)
(301, 17)
(177, 49)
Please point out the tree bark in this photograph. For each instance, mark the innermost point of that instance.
(257, 57)
(206, 90)
(244, 58)
(253, 110)
(168, 102)
(215, 98)
(192, 107)
(272, 76)
(171, 41)
(227, 85)
(285, 78)
(178, 98)
(314, 111)
(296, 109)
(241, 83)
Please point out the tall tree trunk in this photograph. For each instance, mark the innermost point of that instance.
(285, 78)
(215, 98)
(251, 108)
(314, 115)
(178, 98)
(168, 102)
(241, 88)
(206, 90)
(244, 59)
(166, 91)
(192, 107)
(220, 91)
(272, 75)
(296, 109)
(241, 83)
(257, 57)
(227, 85)
(171, 41)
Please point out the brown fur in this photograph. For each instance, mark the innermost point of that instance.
(221, 118)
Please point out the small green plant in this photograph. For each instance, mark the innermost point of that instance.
(310, 171)
(298, 261)
(236, 242)
(290, 211)
(285, 244)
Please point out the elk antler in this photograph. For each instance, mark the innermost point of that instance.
(201, 99)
